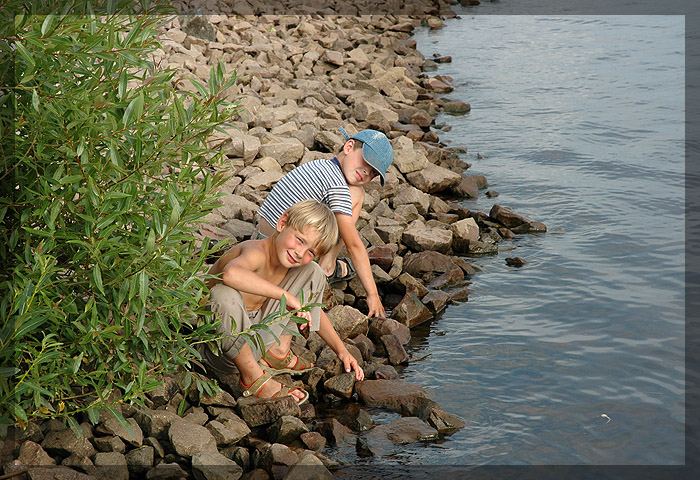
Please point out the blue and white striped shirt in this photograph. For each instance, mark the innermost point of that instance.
(322, 180)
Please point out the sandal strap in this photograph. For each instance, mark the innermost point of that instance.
(277, 362)
(257, 385)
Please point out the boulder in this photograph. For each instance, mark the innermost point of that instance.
(456, 107)
(406, 159)
(276, 459)
(434, 178)
(31, 454)
(166, 471)
(261, 411)
(419, 237)
(418, 264)
(188, 438)
(65, 443)
(215, 466)
(383, 256)
(140, 460)
(395, 395)
(111, 465)
(235, 206)
(463, 232)
(389, 326)
(411, 311)
(447, 279)
(335, 432)
(436, 301)
(263, 180)
(286, 429)
(341, 385)
(155, 423)
(313, 441)
(483, 248)
(227, 433)
(309, 467)
(348, 321)
(375, 115)
(507, 217)
(467, 187)
(112, 426)
(407, 283)
(395, 351)
(398, 432)
(288, 151)
(410, 195)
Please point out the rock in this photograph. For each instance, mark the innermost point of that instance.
(447, 279)
(389, 233)
(530, 227)
(419, 237)
(434, 178)
(309, 467)
(406, 159)
(276, 459)
(155, 423)
(386, 372)
(261, 411)
(409, 195)
(166, 471)
(112, 426)
(334, 58)
(286, 429)
(239, 229)
(235, 206)
(341, 385)
(221, 398)
(436, 301)
(411, 311)
(467, 187)
(376, 116)
(456, 107)
(397, 395)
(507, 217)
(463, 232)
(56, 472)
(83, 464)
(389, 326)
(395, 351)
(437, 85)
(263, 180)
(313, 441)
(31, 454)
(227, 433)
(111, 465)
(65, 443)
(398, 432)
(515, 262)
(348, 321)
(482, 248)
(364, 345)
(188, 438)
(335, 432)
(407, 283)
(109, 444)
(158, 449)
(492, 194)
(383, 256)
(460, 294)
(418, 264)
(140, 460)
(288, 151)
(214, 466)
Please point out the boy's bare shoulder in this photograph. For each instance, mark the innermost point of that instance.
(249, 254)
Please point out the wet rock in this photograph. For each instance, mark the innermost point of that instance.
(313, 441)
(434, 178)
(456, 107)
(420, 238)
(467, 187)
(227, 433)
(436, 301)
(286, 429)
(341, 385)
(530, 227)
(155, 423)
(188, 438)
(364, 345)
(437, 85)
(447, 279)
(460, 294)
(411, 311)
(335, 432)
(140, 460)
(506, 216)
(66, 443)
(112, 426)
(492, 193)
(395, 395)
(395, 351)
(430, 412)
(348, 321)
(482, 248)
(261, 411)
(308, 467)
(215, 466)
(515, 262)
(398, 432)
(405, 283)
(389, 326)
(111, 465)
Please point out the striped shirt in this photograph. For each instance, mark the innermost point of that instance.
(322, 180)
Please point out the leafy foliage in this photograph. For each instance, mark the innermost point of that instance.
(107, 175)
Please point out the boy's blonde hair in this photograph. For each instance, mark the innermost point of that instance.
(311, 213)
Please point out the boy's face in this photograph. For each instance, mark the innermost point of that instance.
(295, 248)
(357, 172)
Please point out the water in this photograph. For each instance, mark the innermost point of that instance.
(577, 358)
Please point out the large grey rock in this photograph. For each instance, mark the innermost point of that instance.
(263, 180)
(166, 471)
(410, 311)
(31, 454)
(397, 395)
(409, 195)
(507, 217)
(111, 465)
(420, 237)
(188, 438)
(348, 321)
(389, 326)
(235, 206)
(308, 467)
(155, 423)
(276, 455)
(140, 460)
(261, 411)
(467, 187)
(288, 151)
(215, 466)
(341, 385)
(335, 432)
(227, 433)
(66, 443)
(286, 429)
(435, 300)
(112, 426)
(407, 159)
(398, 432)
(376, 116)
(421, 263)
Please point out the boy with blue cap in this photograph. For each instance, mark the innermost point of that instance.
(339, 183)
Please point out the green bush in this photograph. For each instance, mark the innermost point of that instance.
(107, 177)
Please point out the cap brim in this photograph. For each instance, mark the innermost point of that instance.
(371, 158)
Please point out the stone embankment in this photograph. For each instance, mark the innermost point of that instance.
(300, 77)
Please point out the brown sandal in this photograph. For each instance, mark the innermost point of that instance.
(256, 387)
(279, 365)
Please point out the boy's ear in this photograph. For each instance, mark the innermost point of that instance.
(282, 222)
(349, 146)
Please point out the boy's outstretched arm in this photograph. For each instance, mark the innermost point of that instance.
(359, 257)
(330, 336)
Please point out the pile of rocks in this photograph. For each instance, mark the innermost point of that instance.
(300, 77)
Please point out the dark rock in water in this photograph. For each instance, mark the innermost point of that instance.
(467, 187)
(341, 385)
(437, 58)
(286, 429)
(313, 441)
(364, 345)
(395, 351)
(389, 326)
(515, 262)
(436, 300)
(492, 193)
(395, 395)
(460, 294)
(430, 412)
(456, 107)
(311, 467)
(482, 248)
(530, 227)
(411, 311)
(398, 432)
(335, 432)
(506, 233)
(407, 283)
(386, 372)
(507, 217)
(261, 411)
(418, 264)
(358, 420)
(447, 279)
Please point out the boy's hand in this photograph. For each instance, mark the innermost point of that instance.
(304, 315)
(350, 364)
(376, 309)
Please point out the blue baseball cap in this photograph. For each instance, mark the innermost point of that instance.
(376, 149)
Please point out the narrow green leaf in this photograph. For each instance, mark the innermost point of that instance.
(35, 99)
(200, 88)
(47, 24)
(151, 241)
(93, 415)
(97, 277)
(22, 50)
(143, 284)
(283, 305)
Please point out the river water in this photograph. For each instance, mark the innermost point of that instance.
(577, 358)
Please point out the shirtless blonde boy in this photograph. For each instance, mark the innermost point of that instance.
(251, 279)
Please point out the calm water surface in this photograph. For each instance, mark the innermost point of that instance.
(577, 357)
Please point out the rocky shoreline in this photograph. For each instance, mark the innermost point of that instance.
(300, 77)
